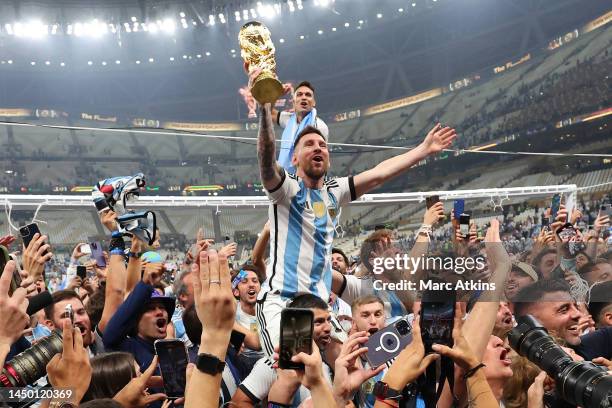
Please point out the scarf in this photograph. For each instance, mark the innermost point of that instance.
(289, 134)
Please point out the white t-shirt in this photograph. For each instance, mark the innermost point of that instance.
(283, 118)
(249, 322)
(302, 226)
(258, 383)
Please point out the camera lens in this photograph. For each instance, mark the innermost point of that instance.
(29, 366)
(577, 382)
(402, 327)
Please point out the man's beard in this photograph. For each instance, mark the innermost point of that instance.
(314, 174)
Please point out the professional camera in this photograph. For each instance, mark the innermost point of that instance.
(29, 366)
(580, 383)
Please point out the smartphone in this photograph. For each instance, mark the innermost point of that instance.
(605, 209)
(101, 205)
(173, 365)
(81, 271)
(97, 254)
(387, 343)
(69, 313)
(431, 200)
(85, 249)
(459, 207)
(554, 207)
(296, 327)
(437, 318)
(566, 232)
(236, 340)
(464, 225)
(27, 234)
(337, 332)
(16, 278)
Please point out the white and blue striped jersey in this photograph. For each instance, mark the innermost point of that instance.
(302, 228)
(355, 287)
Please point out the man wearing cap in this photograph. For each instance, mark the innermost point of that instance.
(140, 320)
(521, 275)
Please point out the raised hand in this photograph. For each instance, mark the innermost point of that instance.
(438, 139)
(461, 353)
(71, 367)
(214, 301)
(13, 316)
(134, 394)
(349, 373)
(34, 256)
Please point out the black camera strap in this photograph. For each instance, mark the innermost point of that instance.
(430, 393)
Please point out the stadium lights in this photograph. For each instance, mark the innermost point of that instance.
(282, 40)
(211, 20)
(32, 29)
(171, 58)
(33, 63)
(379, 15)
(207, 54)
(62, 64)
(237, 15)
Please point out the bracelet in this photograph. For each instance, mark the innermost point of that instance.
(425, 229)
(133, 254)
(472, 371)
(384, 401)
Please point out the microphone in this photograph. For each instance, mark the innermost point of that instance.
(39, 302)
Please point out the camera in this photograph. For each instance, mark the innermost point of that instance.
(402, 327)
(29, 366)
(577, 382)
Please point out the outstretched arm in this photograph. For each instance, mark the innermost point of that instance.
(438, 139)
(269, 169)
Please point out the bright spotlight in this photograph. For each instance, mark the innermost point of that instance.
(104, 63)
(211, 20)
(9, 29)
(89, 62)
(10, 61)
(237, 15)
(207, 54)
(152, 28)
(47, 62)
(168, 25)
(33, 63)
(151, 60)
(117, 62)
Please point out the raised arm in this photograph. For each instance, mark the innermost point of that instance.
(269, 169)
(438, 139)
(259, 251)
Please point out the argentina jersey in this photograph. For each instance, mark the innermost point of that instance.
(302, 226)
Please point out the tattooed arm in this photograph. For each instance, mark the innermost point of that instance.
(269, 169)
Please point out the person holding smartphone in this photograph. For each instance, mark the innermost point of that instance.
(262, 381)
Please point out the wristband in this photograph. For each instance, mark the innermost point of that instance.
(133, 255)
(472, 371)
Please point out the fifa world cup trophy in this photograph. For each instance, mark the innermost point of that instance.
(257, 51)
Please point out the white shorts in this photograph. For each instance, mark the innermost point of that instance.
(268, 311)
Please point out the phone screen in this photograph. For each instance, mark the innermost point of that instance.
(236, 340)
(173, 365)
(437, 318)
(295, 336)
(464, 225)
(81, 271)
(554, 207)
(566, 232)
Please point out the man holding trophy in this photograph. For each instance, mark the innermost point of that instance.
(261, 67)
(304, 207)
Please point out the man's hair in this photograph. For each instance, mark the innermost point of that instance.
(307, 84)
(533, 293)
(180, 287)
(193, 326)
(365, 300)
(369, 245)
(59, 296)
(341, 252)
(600, 299)
(538, 259)
(308, 301)
(586, 269)
(306, 131)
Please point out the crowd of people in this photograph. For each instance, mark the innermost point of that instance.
(210, 332)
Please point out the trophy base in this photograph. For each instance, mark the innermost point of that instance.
(267, 90)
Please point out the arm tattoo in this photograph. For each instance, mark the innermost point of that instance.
(266, 150)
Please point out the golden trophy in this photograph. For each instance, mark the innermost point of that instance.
(257, 51)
